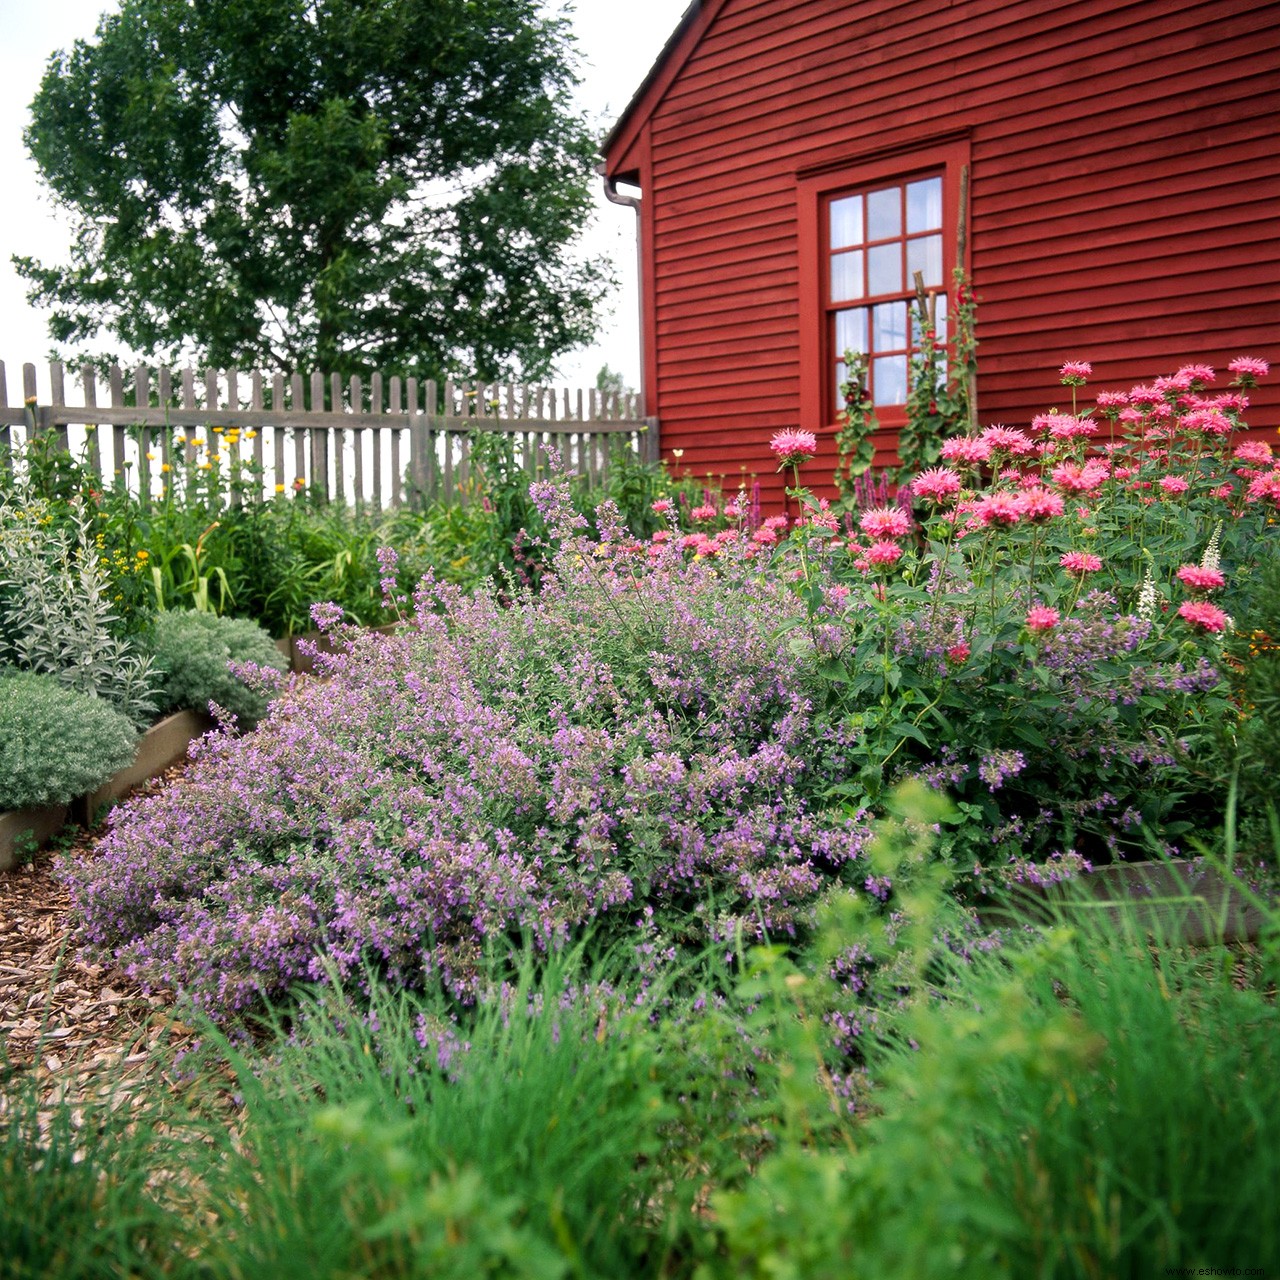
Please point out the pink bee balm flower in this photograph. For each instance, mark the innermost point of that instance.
(662, 506)
(958, 652)
(1202, 615)
(1074, 373)
(1248, 370)
(1041, 618)
(1063, 426)
(791, 448)
(1173, 484)
(705, 512)
(1080, 562)
(936, 485)
(883, 553)
(1196, 373)
(766, 537)
(1006, 440)
(1197, 578)
(1110, 400)
(692, 541)
(1000, 509)
(1038, 505)
(1258, 451)
(1266, 484)
(662, 535)
(1073, 478)
(966, 449)
(1212, 422)
(885, 522)
(776, 522)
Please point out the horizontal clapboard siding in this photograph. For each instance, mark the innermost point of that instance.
(1124, 187)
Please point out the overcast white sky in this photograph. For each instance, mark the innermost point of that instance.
(617, 39)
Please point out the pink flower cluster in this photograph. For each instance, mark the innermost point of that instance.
(792, 448)
(1080, 563)
(1202, 615)
(1198, 578)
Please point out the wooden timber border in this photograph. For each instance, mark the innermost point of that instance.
(384, 442)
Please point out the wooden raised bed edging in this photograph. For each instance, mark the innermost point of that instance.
(1181, 901)
(163, 744)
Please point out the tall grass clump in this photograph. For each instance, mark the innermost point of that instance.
(383, 1138)
(1091, 1100)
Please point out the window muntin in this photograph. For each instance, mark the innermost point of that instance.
(874, 240)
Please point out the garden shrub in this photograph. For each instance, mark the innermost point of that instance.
(1043, 635)
(56, 615)
(56, 743)
(192, 653)
(634, 743)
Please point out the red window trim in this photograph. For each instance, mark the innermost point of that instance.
(949, 157)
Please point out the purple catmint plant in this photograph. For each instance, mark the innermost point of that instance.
(636, 742)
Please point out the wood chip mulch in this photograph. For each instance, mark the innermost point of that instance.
(81, 1029)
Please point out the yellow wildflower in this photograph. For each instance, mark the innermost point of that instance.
(164, 466)
(279, 488)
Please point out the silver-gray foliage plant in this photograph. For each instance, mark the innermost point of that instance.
(55, 609)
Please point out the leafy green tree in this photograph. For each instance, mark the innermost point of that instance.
(338, 184)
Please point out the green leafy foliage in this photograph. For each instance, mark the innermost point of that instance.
(1075, 1103)
(56, 743)
(56, 615)
(397, 186)
(192, 651)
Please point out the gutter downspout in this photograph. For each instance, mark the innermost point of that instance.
(614, 196)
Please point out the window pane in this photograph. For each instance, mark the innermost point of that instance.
(884, 268)
(889, 329)
(941, 314)
(851, 330)
(846, 276)
(846, 222)
(840, 376)
(889, 379)
(924, 205)
(925, 255)
(884, 213)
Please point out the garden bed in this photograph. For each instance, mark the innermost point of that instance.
(161, 746)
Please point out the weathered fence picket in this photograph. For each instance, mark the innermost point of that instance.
(382, 442)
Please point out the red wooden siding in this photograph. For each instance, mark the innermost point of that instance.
(1125, 179)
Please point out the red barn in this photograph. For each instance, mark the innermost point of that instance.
(1109, 174)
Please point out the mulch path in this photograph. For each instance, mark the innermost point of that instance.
(79, 1028)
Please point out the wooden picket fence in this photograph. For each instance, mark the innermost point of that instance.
(382, 442)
